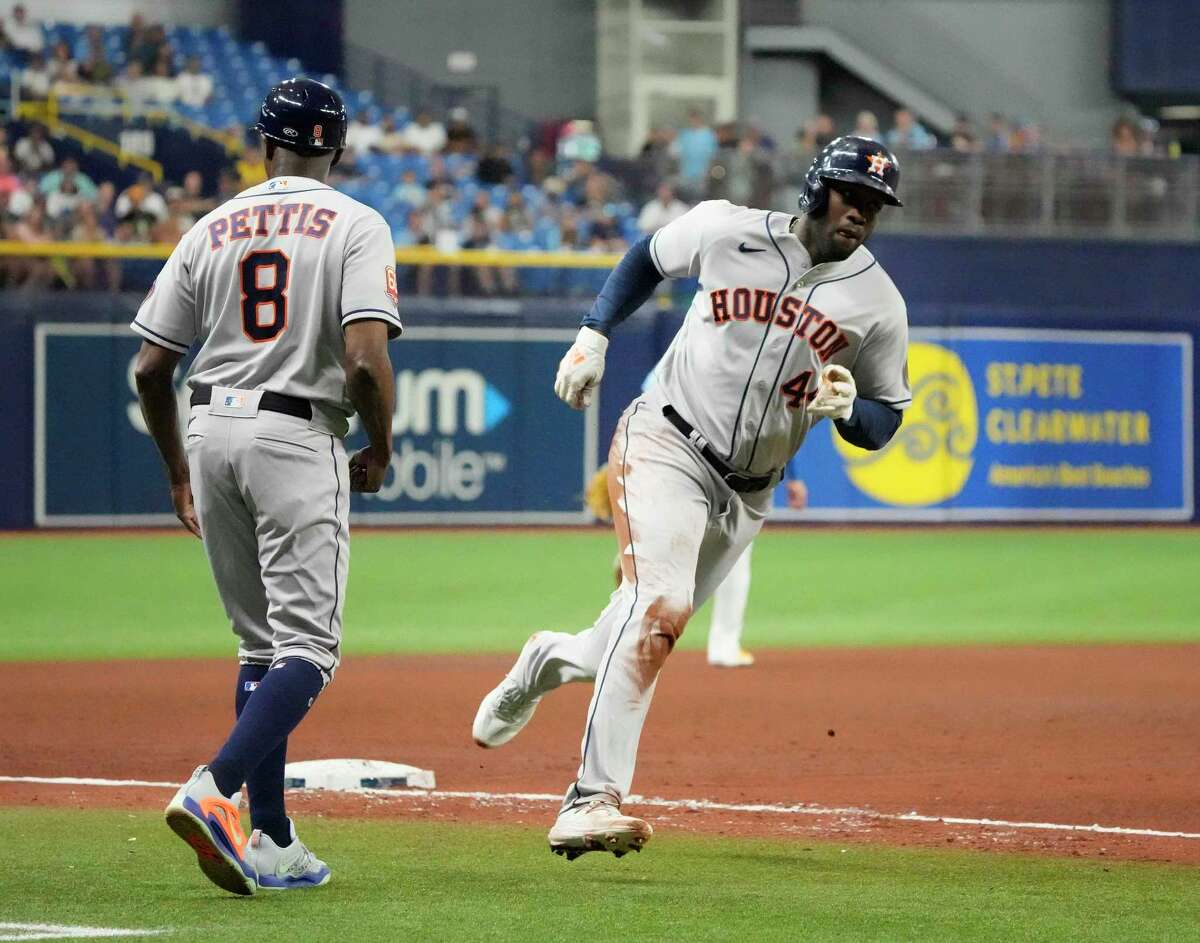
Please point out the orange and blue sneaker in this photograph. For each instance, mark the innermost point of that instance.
(211, 824)
(290, 868)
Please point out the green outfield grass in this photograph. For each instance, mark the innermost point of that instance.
(152, 596)
(408, 881)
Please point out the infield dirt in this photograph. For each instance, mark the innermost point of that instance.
(1072, 735)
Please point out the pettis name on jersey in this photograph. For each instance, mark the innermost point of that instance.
(270, 219)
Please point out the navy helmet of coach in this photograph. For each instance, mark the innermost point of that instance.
(850, 159)
(305, 116)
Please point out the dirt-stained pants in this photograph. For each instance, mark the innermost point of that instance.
(680, 529)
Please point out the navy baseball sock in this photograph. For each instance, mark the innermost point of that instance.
(275, 707)
(265, 782)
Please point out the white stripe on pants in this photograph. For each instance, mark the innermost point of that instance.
(273, 499)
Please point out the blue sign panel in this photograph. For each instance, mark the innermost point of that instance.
(1021, 425)
(479, 435)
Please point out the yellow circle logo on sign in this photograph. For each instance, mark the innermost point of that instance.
(930, 457)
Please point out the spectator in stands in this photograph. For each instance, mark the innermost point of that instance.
(417, 231)
(823, 130)
(695, 146)
(229, 184)
(795, 160)
(962, 135)
(145, 43)
(518, 217)
(195, 203)
(664, 208)
(20, 202)
(195, 87)
(33, 273)
(410, 191)
(655, 161)
(36, 78)
(362, 135)
(9, 181)
(964, 142)
(141, 207)
(62, 67)
(1125, 137)
(161, 87)
(495, 166)
(133, 82)
(999, 136)
(1026, 137)
(866, 125)
(392, 140)
(23, 34)
(69, 173)
(33, 153)
(171, 229)
(909, 134)
(106, 207)
(578, 141)
(62, 203)
(424, 135)
(96, 68)
(87, 272)
(477, 234)
(460, 136)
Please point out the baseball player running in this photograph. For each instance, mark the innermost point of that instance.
(794, 322)
(289, 290)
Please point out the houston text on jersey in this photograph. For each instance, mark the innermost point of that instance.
(756, 304)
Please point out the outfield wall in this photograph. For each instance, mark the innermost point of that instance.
(1052, 381)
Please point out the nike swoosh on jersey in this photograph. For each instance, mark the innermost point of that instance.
(745, 248)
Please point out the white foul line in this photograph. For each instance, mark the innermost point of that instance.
(694, 804)
(61, 931)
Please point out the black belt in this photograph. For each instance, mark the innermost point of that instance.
(738, 482)
(273, 402)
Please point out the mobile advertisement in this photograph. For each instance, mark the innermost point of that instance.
(479, 436)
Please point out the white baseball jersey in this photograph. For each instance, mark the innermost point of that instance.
(764, 322)
(266, 283)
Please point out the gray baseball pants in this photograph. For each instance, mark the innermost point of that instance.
(273, 499)
(680, 529)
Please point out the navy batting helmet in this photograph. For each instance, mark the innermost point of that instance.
(852, 160)
(303, 115)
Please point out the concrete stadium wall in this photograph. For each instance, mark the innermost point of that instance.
(541, 53)
(1047, 60)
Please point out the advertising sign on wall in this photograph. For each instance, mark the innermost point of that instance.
(479, 435)
(1022, 425)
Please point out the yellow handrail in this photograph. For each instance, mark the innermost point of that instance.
(48, 114)
(415, 255)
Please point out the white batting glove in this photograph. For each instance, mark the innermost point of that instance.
(835, 393)
(579, 372)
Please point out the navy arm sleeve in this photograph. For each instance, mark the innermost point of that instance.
(627, 287)
(871, 424)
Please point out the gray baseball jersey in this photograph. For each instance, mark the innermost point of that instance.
(266, 282)
(744, 366)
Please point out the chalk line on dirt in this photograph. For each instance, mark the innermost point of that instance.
(703, 805)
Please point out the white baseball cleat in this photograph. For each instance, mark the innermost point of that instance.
(502, 713)
(285, 869)
(507, 707)
(597, 826)
(738, 659)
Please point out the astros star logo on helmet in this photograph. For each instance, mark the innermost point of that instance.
(878, 164)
